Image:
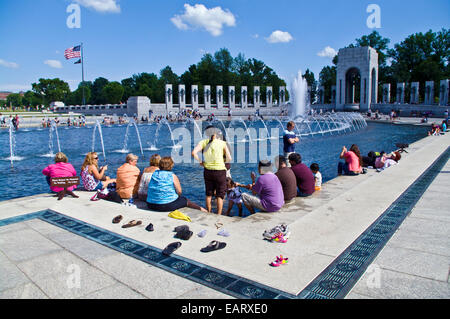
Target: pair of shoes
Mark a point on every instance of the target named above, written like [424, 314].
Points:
[183, 232]
[280, 260]
[280, 229]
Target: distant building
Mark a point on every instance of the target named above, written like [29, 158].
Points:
[4, 95]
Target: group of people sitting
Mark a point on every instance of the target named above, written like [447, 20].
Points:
[436, 130]
[161, 188]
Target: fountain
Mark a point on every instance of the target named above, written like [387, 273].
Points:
[53, 128]
[299, 96]
[99, 127]
[125, 143]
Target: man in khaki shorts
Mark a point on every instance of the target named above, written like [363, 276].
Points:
[269, 189]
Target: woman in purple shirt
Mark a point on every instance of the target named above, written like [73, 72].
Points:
[269, 189]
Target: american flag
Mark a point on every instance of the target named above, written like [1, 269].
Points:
[74, 52]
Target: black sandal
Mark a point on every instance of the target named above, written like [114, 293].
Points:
[214, 245]
[171, 248]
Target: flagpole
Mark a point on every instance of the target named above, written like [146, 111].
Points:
[82, 72]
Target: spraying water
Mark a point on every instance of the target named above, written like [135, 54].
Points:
[97, 125]
[299, 91]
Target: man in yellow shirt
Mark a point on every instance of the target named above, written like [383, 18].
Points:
[215, 172]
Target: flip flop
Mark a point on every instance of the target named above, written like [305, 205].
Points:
[149, 227]
[214, 245]
[202, 233]
[117, 219]
[132, 223]
[223, 233]
[218, 225]
[171, 248]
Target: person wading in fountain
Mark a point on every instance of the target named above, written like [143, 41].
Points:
[289, 140]
[215, 172]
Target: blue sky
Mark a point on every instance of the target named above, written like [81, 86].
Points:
[125, 37]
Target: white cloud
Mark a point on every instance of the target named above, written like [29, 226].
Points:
[7, 64]
[198, 16]
[54, 64]
[328, 52]
[280, 37]
[104, 6]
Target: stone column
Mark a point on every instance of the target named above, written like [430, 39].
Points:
[244, 96]
[414, 93]
[429, 93]
[443, 92]
[282, 95]
[269, 96]
[320, 95]
[232, 97]
[256, 97]
[182, 96]
[219, 96]
[386, 93]
[400, 93]
[333, 94]
[169, 97]
[194, 96]
[207, 94]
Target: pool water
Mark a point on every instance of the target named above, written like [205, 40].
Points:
[32, 146]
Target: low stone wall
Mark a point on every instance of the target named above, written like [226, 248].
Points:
[408, 110]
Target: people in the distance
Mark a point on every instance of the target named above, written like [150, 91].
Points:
[93, 177]
[287, 178]
[215, 171]
[164, 190]
[61, 168]
[353, 161]
[268, 188]
[147, 175]
[289, 140]
[303, 175]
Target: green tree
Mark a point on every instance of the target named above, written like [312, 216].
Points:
[97, 90]
[51, 90]
[327, 78]
[112, 93]
[422, 57]
[312, 83]
[14, 100]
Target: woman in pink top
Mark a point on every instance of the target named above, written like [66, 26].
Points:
[61, 168]
[353, 161]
